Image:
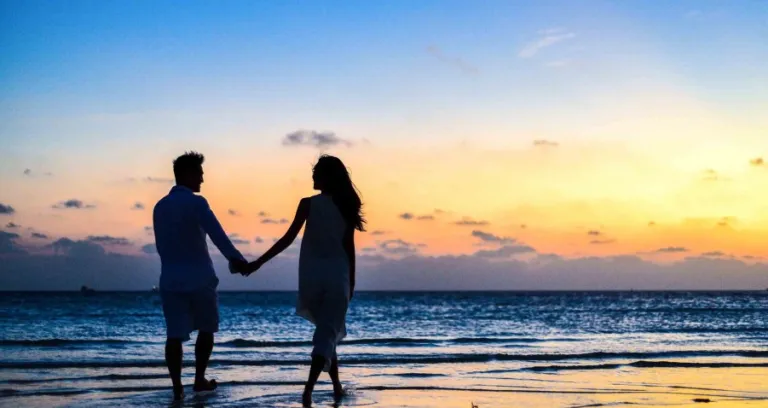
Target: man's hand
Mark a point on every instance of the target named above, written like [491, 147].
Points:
[238, 266]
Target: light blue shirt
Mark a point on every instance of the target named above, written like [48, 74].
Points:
[181, 220]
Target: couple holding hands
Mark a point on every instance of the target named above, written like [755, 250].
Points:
[183, 219]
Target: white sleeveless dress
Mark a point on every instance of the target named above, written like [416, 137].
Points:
[324, 276]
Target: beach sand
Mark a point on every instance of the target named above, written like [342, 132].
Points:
[664, 387]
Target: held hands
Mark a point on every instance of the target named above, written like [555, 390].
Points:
[243, 267]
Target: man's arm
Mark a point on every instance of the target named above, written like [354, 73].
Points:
[213, 228]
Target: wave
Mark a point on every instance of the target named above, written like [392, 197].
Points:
[393, 341]
[645, 364]
[66, 342]
[405, 359]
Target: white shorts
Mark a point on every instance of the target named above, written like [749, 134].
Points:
[186, 312]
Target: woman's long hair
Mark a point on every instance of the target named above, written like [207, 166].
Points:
[331, 177]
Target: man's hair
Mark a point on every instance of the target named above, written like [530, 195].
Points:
[187, 163]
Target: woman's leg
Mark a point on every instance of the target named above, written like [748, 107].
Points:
[318, 362]
[338, 392]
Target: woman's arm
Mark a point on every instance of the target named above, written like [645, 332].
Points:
[349, 248]
[302, 212]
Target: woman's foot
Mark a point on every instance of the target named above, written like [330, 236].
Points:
[178, 395]
[338, 391]
[205, 386]
[306, 398]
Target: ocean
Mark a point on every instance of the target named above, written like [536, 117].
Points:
[403, 349]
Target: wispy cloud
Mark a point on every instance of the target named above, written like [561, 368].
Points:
[491, 238]
[545, 143]
[546, 38]
[233, 212]
[258, 240]
[757, 162]
[11, 225]
[73, 203]
[400, 247]
[379, 232]
[602, 241]
[235, 238]
[39, 235]
[505, 251]
[274, 221]
[594, 233]
[109, 240]
[671, 249]
[410, 216]
[320, 140]
[137, 206]
[466, 221]
[452, 61]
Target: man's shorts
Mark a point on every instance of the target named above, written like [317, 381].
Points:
[186, 312]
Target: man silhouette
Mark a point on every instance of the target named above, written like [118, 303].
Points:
[188, 281]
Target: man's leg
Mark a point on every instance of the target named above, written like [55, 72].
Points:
[205, 310]
[173, 357]
[203, 349]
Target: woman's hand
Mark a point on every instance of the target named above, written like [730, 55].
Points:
[253, 267]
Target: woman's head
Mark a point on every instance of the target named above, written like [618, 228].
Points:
[331, 177]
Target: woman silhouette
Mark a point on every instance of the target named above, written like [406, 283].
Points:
[326, 263]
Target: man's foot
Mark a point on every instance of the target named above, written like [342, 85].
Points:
[178, 395]
[205, 386]
[306, 399]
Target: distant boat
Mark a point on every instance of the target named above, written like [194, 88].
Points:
[86, 290]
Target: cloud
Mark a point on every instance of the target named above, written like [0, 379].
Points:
[558, 63]
[593, 233]
[79, 249]
[671, 249]
[379, 232]
[39, 235]
[399, 247]
[410, 216]
[159, 180]
[546, 38]
[726, 221]
[258, 240]
[149, 230]
[602, 241]
[74, 204]
[452, 61]
[80, 263]
[523, 226]
[8, 244]
[713, 254]
[320, 140]
[30, 173]
[274, 221]
[235, 238]
[545, 143]
[712, 175]
[137, 206]
[757, 161]
[263, 214]
[651, 223]
[27, 172]
[490, 238]
[233, 212]
[149, 249]
[11, 225]
[109, 240]
[6, 209]
[466, 221]
[505, 251]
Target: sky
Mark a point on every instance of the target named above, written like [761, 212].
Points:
[496, 144]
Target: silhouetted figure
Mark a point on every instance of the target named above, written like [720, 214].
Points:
[326, 264]
[188, 281]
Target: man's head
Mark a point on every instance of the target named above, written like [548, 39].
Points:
[188, 170]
